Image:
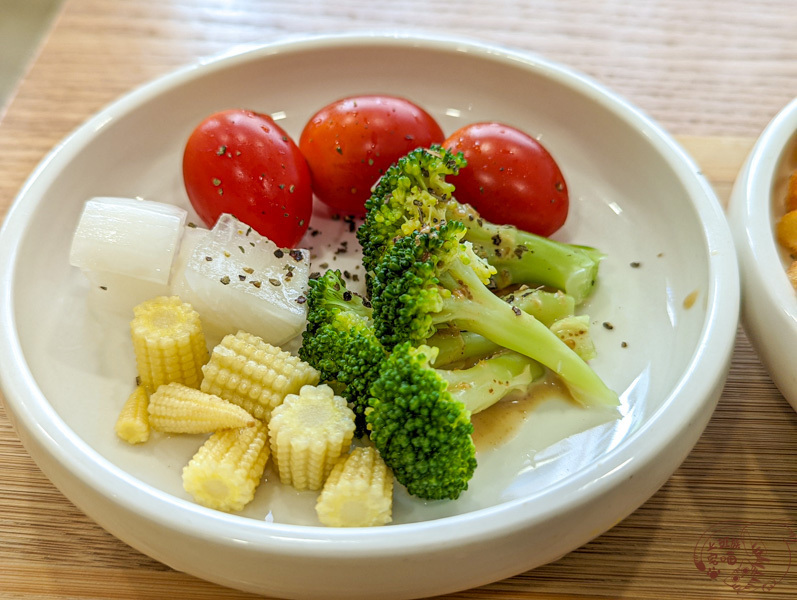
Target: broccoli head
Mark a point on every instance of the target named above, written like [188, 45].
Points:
[419, 417]
[410, 195]
[432, 279]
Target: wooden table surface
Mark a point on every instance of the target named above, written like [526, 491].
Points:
[712, 72]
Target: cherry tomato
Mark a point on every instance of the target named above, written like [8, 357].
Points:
[241, 162]
[510, 178]
[350, 143]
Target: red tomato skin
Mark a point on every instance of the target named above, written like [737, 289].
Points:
[510, 178]
[351, 142]
[242, 163]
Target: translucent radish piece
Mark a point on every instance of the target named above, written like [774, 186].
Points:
[118, 294]
[237, 279]
[129, 237]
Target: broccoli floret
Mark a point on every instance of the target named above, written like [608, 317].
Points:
[419, 418]
[339, 341]
[414, 194]
[411, 194]
[432, 279]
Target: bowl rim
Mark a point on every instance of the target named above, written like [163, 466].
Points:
[30, 408]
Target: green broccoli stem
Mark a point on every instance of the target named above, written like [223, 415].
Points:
[521, 257]
[488, 381]
[473, 307]
[457, 346]
[547, 307]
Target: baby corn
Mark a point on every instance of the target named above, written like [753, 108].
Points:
[132, 425]
[169, 343]
[358, 492]
[177, 408]
[253, 374]
[308, 433]
[226, 470]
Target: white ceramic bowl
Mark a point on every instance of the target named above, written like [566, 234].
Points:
[769, 303]
[667, 299]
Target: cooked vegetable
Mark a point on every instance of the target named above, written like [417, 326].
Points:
[791, 192]
[351, 142]
[228, 467]
[309, 431]
[126, 236]
[547, 307]
[238, 279]
[574, 331]
[175, 408]
[132, 425]
[241, 162]
[432, 278]
[358, 491]
[510, 177]
[491, 379]
[419, 417]
[245, 370]
[126, 249]
[340, 342]
[786, 231]
[414, 194]
[169, 343]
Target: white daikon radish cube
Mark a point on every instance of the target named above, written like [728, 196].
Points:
[118, 294]
[237, 279]
[130, 237]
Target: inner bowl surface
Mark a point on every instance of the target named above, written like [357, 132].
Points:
[563, 476]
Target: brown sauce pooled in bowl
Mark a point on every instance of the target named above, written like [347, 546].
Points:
[501, 422]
